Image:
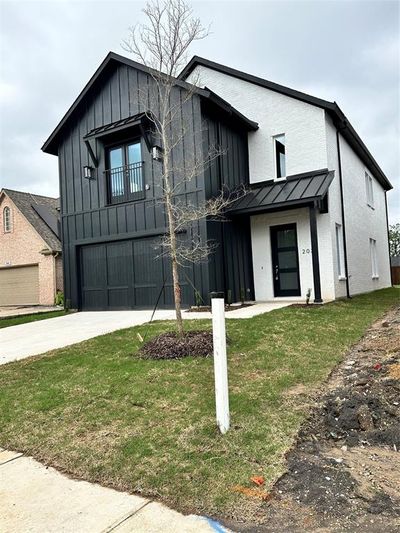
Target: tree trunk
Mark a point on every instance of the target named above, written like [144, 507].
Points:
[174, 263]
[177, 297]
[175, 271]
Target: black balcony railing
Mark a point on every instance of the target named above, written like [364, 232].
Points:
[125, 183]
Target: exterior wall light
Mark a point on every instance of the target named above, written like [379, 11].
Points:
[88, 172]
[157, 153]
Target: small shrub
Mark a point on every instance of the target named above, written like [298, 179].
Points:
[59, 299]
[229, 297]
[198, 299]
[242, 295]
[308, 296]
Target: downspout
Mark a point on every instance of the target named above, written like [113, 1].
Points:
[346, 267]
[387, 226]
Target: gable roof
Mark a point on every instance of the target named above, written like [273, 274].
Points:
[111, 61]
[339, 118]
[41, 212]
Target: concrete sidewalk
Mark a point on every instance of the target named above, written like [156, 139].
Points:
[33, 338]
[38, 499]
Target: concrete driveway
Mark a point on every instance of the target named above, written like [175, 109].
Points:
[33, 338]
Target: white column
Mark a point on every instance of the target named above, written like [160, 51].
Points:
[220, 363]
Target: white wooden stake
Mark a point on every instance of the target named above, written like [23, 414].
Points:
[220, 363]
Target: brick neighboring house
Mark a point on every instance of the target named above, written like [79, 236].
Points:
[31, 270]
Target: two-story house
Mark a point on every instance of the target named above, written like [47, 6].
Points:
[314, 219]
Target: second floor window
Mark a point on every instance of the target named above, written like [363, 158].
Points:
[7, 220]
[369, 189]
[280, 156]
[125, 172]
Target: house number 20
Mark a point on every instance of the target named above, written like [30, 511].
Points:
[306, 250]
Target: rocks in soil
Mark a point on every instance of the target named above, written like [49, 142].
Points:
[318, 484]
[171, 346]
[364, 417]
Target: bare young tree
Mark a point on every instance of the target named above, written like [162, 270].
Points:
[162, 44]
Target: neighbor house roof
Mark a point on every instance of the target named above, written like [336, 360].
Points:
[339, 118]
[296, 190]
[112, 59]
[41, 212]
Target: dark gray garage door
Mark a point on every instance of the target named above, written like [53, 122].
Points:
[125, 275]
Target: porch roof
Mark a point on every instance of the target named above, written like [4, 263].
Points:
[296, 190]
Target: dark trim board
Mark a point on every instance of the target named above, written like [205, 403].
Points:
[343, 214]
[315, 254]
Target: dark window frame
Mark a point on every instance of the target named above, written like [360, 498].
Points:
[280, 149]
[278, 291]
[127, 196]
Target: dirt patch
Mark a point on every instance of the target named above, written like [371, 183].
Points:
[171, 346]
[344, 472]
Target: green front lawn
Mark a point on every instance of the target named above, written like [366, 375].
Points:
[23, 319]
[99, 412]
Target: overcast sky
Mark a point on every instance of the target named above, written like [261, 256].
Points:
[341, 50]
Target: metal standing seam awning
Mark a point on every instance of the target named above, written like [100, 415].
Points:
[297, 190]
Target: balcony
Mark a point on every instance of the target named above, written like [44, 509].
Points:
[125, 184]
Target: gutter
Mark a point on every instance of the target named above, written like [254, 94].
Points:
[346, 265]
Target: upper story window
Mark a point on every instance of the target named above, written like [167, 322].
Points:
[125, 172]
[369, 187]
[7, 219]
[280, 156]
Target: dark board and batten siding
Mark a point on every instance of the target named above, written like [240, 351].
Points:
[87, 218]
[94, 232]
[230, 266]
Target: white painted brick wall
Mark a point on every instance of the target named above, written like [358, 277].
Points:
[334, 204]
[310, 145]
[262, 258]
[362, 222]
[302, 123]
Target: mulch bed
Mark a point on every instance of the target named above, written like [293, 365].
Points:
[171, 346]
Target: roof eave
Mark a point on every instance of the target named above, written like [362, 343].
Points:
[50, 146]
[344, 125]
[293, 93]
[228, 108]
